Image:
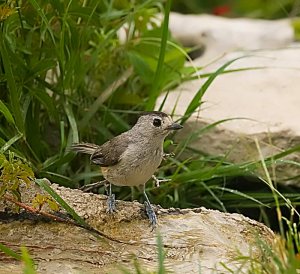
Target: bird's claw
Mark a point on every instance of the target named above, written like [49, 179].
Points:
[167, 155]
[151, 215]
[111, 204]
[158, 181]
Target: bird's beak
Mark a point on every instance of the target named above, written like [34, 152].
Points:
[174, 126]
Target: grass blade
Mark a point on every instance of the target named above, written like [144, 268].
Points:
[9, 252]
[7, 145]
[41, 13]
[161, 254]
[196, 102]
[154, 92]
[164, 101]
[73, 123]
[5, 111]
[11, 83]
[209, 190]
[269, 182]
[236, 192]
[28, 263]
[104, 97]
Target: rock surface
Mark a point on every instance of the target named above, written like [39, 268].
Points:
[219, 35]
[266, 97]
[194, 239]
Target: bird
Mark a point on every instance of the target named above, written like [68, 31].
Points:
[131, 158]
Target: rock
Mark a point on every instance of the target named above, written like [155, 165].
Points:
[219, 35]
[194, 239]
[267, 98]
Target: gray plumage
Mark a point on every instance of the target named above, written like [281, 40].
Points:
[131, 158]
[105, 155]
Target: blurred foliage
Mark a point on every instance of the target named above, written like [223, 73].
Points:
[267, 9]
[296, 27]
[17, 177]
[24, 257]
[29, 267]
[13, 173]
[66, 69]
[81, 70]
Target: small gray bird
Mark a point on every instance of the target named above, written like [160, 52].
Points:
[131, 158]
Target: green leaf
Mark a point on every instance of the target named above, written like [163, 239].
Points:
[141, 67]
[43, 184]
[5, 111]
[14, 94]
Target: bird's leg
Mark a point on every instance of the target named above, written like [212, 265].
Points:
[158, 181]
[149, 210]
[111, 202]
[92, 186]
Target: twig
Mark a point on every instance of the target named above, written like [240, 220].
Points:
[37, 211]
[61, 220]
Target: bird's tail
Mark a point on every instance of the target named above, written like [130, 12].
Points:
[86, 148]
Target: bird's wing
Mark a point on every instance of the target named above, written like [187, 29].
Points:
[109, 153]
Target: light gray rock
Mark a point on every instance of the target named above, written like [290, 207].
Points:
[219, 35]
[267, 98]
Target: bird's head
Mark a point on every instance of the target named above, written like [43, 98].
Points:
[156, 124]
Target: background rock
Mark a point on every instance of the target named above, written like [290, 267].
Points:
[219, 35]
[193, 238]
[266, 96]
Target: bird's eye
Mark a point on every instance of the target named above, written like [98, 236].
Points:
[156, 122]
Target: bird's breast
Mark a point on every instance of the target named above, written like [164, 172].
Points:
[136, 166]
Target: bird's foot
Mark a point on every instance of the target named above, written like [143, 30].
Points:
[158, 181]
[111, 204]
[167, 155]
[151, 215]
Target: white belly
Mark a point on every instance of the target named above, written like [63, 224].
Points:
[134, 169]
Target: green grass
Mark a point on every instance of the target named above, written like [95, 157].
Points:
[65, 74]
[24, 257]
[65, 77]
[265, 9]
[283, 255]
